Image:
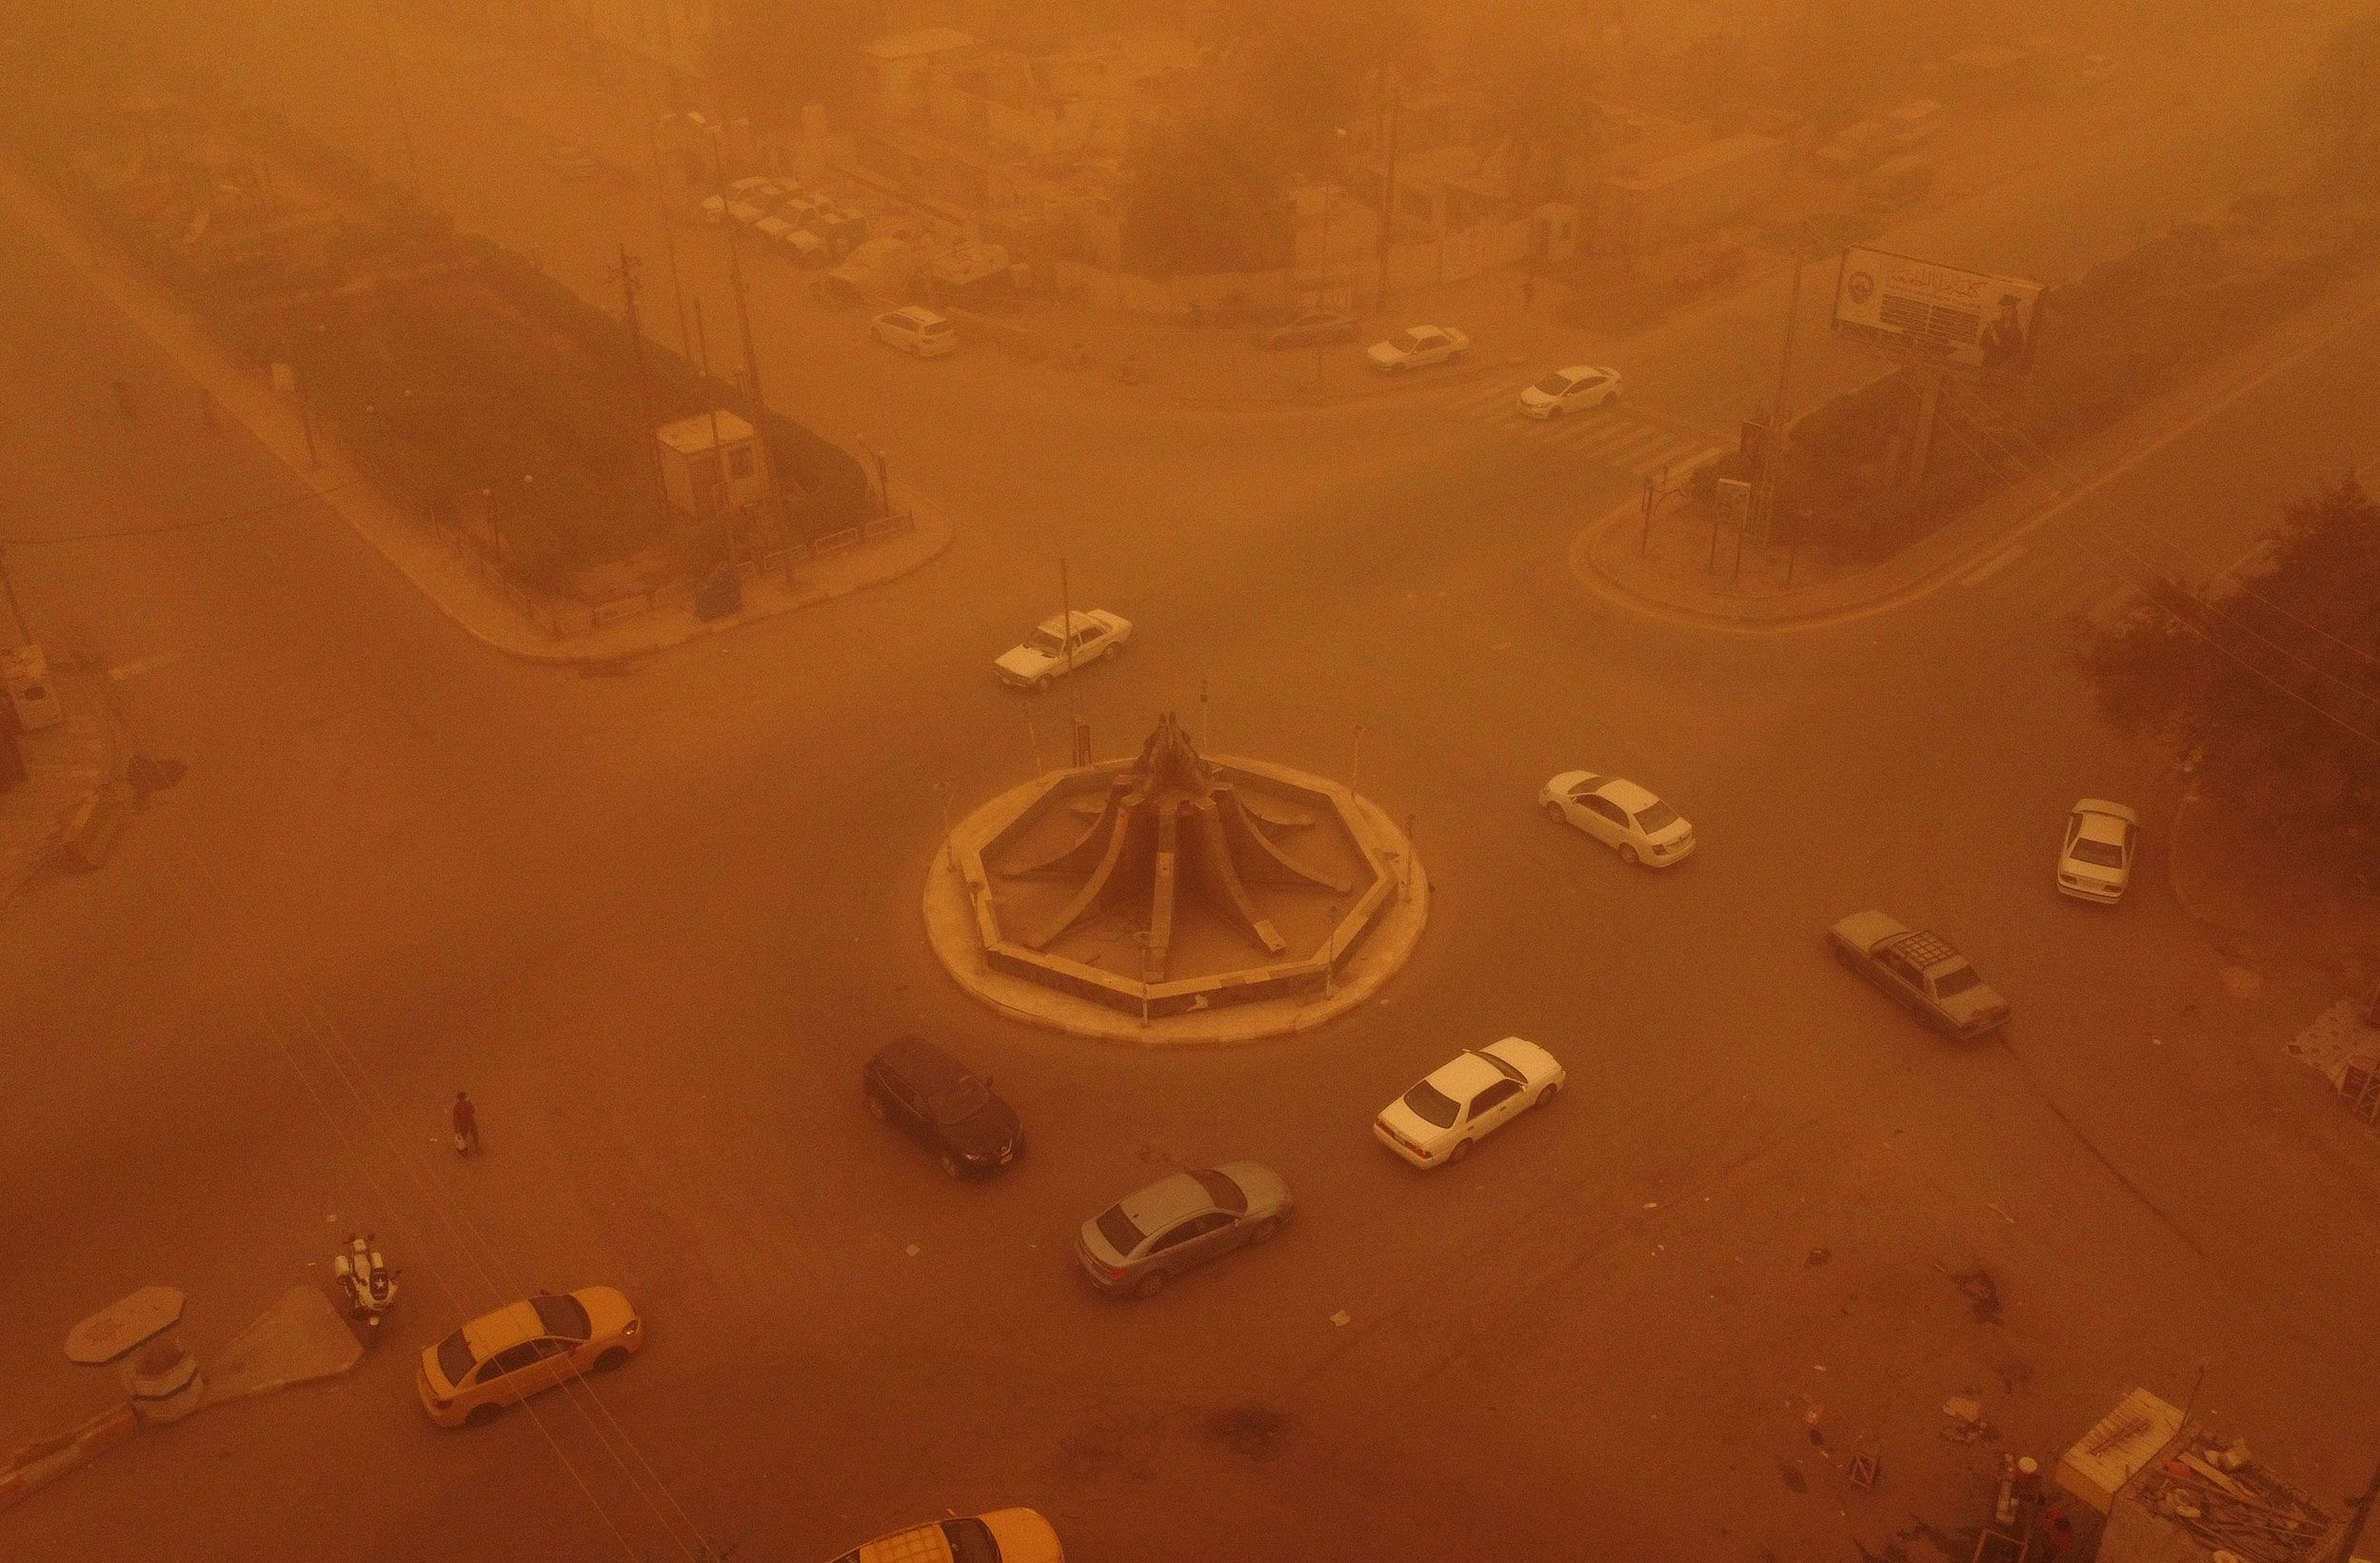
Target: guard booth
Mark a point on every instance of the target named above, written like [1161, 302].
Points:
[710, 464]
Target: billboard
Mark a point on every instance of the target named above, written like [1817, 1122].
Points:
[1935, 314]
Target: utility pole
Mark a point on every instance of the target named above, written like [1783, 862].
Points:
[1764, 513]
[2363, 1514]
[24, 635]
[1066, 617]
[1388, 185]
[626, 272]
[661, 202]
[726, 508]
[743, 317]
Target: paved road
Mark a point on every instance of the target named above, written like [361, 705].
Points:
[653, 921]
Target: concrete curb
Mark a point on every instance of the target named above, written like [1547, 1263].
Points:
[38, 1464]
[460, 594]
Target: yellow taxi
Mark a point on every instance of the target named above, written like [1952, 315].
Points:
[514, 1352]
[1004, 1536]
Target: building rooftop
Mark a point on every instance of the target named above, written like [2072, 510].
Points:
[691, 436]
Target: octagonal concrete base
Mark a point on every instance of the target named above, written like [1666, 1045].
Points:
[952, 929]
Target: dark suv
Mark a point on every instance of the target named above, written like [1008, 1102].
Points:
[930, 1094]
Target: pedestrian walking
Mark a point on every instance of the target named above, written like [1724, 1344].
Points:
[465, 1124]
[124, 404]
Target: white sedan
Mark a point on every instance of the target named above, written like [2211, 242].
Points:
[1468, 1097]
[1580, 386]
[1056, 648]
[2096, 861]
[1418, 345]
[1621, 815]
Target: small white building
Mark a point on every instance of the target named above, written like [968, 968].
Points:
[711, 464]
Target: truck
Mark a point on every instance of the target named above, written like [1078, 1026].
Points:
[1921, 971]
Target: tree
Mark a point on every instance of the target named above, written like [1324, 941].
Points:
[2339, 102]
[1309, 68]
[2274, 680]
[775, 56]
[1206, 194]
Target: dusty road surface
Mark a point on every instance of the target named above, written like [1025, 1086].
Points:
[653, 922]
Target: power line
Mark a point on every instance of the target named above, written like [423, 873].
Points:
[191, 524]
[2186, 623]
[2011, 433]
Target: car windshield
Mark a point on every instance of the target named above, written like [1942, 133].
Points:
[1956, 981]
[1404, 342]
[1044, 643]
[1504, 1069]
[455, 1359]
[2106, 854]
[1117, 1229]
[959, 1102]
[1225, 1193]
[1656, 816]
[1554, 385]
[561, 1316]
[1431, 1105]
[970, 1541]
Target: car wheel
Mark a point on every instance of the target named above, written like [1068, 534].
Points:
[950, 1164]
[1627, 853]
[1399, 367]
[1150, 1284]
[481, 1415]
[1041, 683]
[1545, 1098]
[1462, 1148]
[1608, 399]
[1553, 812]
[1842, 957]
[611, 1358]
[1110, 649]
[875, 1106]
[1263, 1230]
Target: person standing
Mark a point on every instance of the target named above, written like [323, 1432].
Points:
[465, 1124]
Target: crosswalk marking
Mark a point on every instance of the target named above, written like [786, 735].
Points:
[1604, 435]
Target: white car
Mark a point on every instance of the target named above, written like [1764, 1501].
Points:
[2096, 861]
[1047, 654]
[1621, 815]
[1569, 390]
[915, 330]
[746, 213]
[1418, 345]
[1466, 1097]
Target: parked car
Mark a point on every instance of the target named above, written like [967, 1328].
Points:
[1853, 147]
[914, 330]
[571, 162]
[1467, 1099]
[808, 248]
[1713, 266]
[514, 1352]
[1059, 646]
[1311, 327]
[1179, 1222]
[1919, 970]
[1418, 347]
[927, 1093]
[1568, 390]
[2096, 861]
[1004, 1536]
[1621, 815]
[1895, 183]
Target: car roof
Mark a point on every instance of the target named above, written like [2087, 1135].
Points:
[1626, 793]
[918, 313]
[502, 1330]
[1579, 371]
[1464, 1076]
[1166, 1202]
[921, 1064]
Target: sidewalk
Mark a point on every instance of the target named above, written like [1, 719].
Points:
[66, 765]
[449, 573]
[1678, 570]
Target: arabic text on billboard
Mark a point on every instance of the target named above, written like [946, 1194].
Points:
[1936, 313]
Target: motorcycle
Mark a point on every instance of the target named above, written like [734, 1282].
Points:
[366, 1282]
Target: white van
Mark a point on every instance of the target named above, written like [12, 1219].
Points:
[915, 330]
